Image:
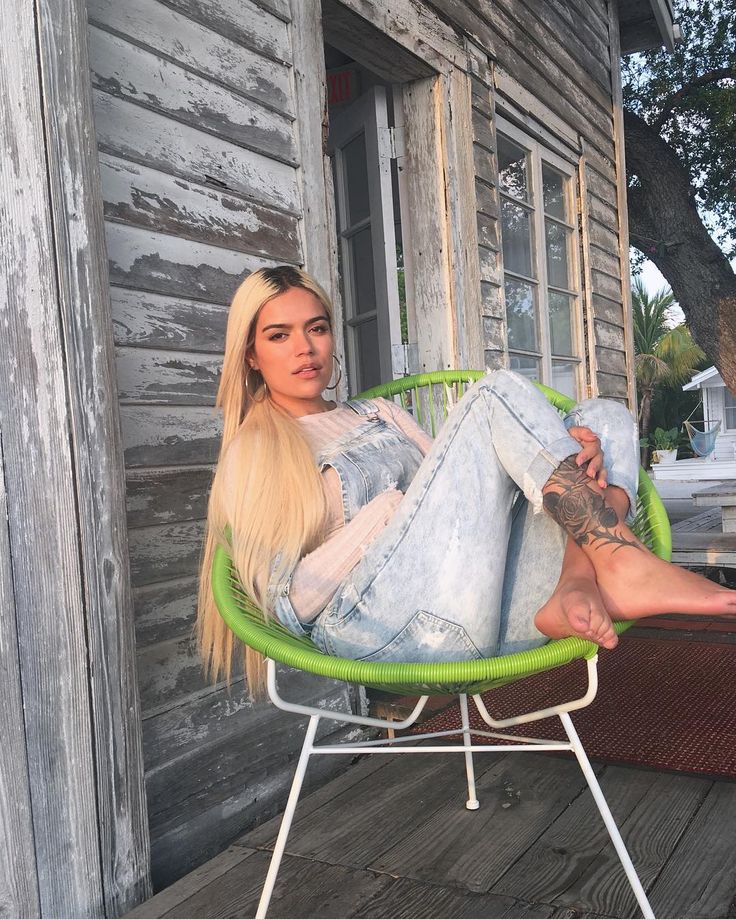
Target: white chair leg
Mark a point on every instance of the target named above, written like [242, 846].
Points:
[296, 787]
[472, 803]
[595, 788]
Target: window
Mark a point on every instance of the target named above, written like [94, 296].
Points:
[541, 277]
[729, 410]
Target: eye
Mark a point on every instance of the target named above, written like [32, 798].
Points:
[320, 329]
[277, 336]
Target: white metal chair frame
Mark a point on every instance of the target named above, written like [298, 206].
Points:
[408, 744]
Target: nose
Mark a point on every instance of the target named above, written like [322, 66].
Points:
[303, 344]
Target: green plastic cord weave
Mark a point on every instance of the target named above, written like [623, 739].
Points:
[275, 642]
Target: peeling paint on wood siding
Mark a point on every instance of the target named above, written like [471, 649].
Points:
[166, 264]
[155, 321]
[167, 377]
[163, 436]
[142, 197]
[242, 21]
[129, 72]
[149, 138]
[165, 611]
[191, 45]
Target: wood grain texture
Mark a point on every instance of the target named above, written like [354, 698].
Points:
[164, 611]
[152, 200]
[242, 21]
[159, 263]
[196, 47]
[129, 72]
[156, 377]
[167, 495]
[170, 550]
[68, 537]
[164, 436]
[177, 323]
[18, 883]
[147, 137]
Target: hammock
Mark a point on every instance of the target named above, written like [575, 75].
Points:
[702, 442]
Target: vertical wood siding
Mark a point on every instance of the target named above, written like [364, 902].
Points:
[199, 156]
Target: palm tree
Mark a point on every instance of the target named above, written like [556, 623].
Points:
[664, 356]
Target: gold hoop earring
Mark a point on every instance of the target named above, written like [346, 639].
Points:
[339, 373]
[260, 392]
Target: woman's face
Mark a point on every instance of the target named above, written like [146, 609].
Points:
[293, 350]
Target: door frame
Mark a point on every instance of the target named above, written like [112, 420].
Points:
[432, 64]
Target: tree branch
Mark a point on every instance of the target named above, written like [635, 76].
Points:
[713, 76]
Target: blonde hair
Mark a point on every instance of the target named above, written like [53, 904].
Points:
[269, 491]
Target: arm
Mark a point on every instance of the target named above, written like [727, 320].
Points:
[319, 574]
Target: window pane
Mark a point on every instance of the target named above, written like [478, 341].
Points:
[521, 316]
[557, 244]
[369, 367]
[730, 406]
[364, 287]
[516, 237]
[553, 190]
[527, 366]
[356, 179]
[564, 378]
[559, 323]
[512, 169]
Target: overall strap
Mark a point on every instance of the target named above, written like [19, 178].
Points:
[362, 406]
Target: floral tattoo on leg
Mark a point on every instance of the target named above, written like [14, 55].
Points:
[580, 510]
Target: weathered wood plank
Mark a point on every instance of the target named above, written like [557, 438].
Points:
[485, 164]
[609, 310]
[241, 21]
[612, 386]
[583, 22]
[603, 212]
[175, 896]
[539, 20]
[168, 673]
[406, 899]
[429, 44]
[486, 199]
[490, 267]
[520, 798]
[609, 336]
[61, 468]
[164, 264]
[167, 377]
[166, 32]
[300, 891]
[129, 72]
[606, 285]
[152, 200]
[18, 884]
[494, 334]
[604, 238]
[149, 138]
[167, 551]
[488, 231]
[492, 299]
[167, 495]
[483, 131]
[574, 864]
[385, 821]
[608, 262]
[177, 323]
[164, 611]
[162, 436]
[604, 186]
[691, 886]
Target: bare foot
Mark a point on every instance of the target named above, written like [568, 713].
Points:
[576, 608]
[635, 583]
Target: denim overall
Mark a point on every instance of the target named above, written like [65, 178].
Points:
[467, 558]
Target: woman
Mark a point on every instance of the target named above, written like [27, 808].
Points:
[350, 525]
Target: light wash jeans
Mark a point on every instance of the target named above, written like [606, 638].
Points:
[469, 556]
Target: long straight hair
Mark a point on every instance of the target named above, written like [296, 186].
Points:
[267, 488]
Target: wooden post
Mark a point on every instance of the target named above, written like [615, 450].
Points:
[72, 629]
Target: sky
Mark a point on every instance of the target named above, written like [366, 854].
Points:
[654, 281]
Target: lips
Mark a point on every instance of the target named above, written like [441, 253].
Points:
[308, 371]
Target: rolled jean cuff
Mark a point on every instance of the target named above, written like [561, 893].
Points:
[543, 465]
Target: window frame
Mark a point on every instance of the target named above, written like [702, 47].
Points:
[539, 154]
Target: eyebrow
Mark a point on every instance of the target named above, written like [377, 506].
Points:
[286, 325]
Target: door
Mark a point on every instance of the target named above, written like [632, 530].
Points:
[361, 149]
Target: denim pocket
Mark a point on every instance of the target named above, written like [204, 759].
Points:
[426, 638]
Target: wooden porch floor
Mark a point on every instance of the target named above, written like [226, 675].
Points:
[700, 541]
[390, 838]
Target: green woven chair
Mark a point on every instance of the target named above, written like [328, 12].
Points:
[429, 397]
